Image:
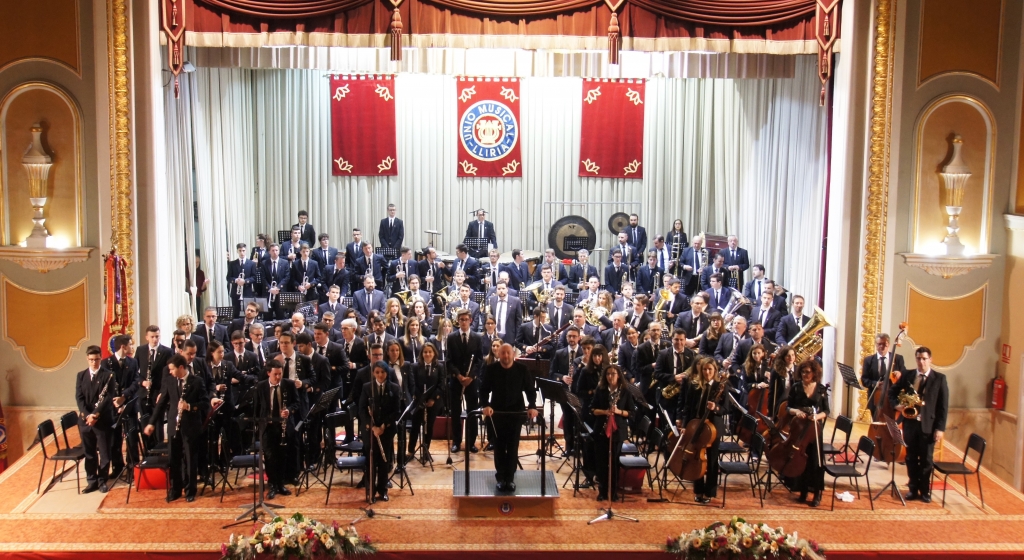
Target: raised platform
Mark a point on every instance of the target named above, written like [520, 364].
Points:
[484, 500]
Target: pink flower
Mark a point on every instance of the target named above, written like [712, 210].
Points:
[223, 550]
[366, 538]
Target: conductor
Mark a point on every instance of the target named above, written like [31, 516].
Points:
[504, 383]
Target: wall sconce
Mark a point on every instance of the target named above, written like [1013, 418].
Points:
[954, 178]
[37, 164]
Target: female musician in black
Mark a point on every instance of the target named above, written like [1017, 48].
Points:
[585, 383]
[676, 236]
[755, 368]
[395, 356]
[805, 397]
[781, 378]
[419, 312]
[700, 400]
[413, 340]
[428, 386]
[611, 400]
[713, 334]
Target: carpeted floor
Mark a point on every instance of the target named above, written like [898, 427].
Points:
[428, 523]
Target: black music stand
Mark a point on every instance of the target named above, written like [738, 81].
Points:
[773, 431]
[477, 246]
[322, 404]
[897, 441]
[387, 252]
[553, 392]
[850, 379]
[259, 506]
[288, 300]
[400, 471]
[581, 432]
[120, 423]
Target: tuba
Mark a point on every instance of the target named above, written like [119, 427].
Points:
[807, 343]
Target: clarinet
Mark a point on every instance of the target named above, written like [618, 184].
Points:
[103, 395]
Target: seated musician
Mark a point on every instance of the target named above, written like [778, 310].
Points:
[419, 295]
[617, 271]
[394, 319]
[755, 368]
[467, 265]
[489, 271]
[695, 322]
[809, 400]
[611, 403]
[557, 269]
[712, 336]
[590, 290]
[531, 335]
[624, 301]
[703, 401]
[782, 377]
[559, 312]
[638, 317]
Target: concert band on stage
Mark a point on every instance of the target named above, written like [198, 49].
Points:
[650, 335]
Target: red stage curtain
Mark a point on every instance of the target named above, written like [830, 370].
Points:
[284, 9]
[612, 131]
[363, 126]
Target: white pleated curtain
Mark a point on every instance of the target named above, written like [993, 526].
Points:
[724, 156]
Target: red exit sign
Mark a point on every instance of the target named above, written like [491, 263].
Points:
[1006, 354]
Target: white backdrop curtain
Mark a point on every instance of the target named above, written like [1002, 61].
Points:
[724, 156]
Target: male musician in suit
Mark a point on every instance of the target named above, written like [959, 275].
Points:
[391, 233]
[694, 322]
[504, 383]
[246, 364]
[562, 367]
[483, 229]
[754, 287]
[490, 271]
[184, 399]
[378, 331]
[372, 263]
[717, 267]
[757, 336]
[353, 249]
[636, 234]
[298, 325]
[645, 274]
[358, 357]
[778, 296]
[277, 278]
[581, 272]
[306, 230]
[877, 367]
[467, 264]
[617, 272]
[508, 313]
[306, 275]
[259, 347]
[559, 312]
[209, 330]
[512, 291]
[379, 410]
[401, 269]
[718, 295]
[291, 249]
[693, 259]
[321, 378]
[627, 352]
[627, 252]
[638, 317]
[558, 273]
[614, 336]
[95, 389]
[518, 270]
[152, 358]
[337, 274]
[337, 359]
[276, 403]
[414, 288]
[323, 254]
[924, 431]
[662, 255]
[465, 302]
[592, 288]
[736, 260]
[298, 370]
[368, 299]
[464, 363]
[252, 311]
[261, 250]
[767, 315]
[333, 304]
[433, 271]
[670, 368]
[530, 335]
[645, 356]
[240, 278]
[126, 375]
[226, 383]
[730, 344]
[791, 324]
[677, 301]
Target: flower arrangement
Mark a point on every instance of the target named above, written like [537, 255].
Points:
[739, 539]
[297, 537]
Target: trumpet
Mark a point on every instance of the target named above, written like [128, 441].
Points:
[241, 276]
[625, 278]
[404, 280]
[911, 402]
[585, 268]
[522, 289]
[273, 286]
[305, 280]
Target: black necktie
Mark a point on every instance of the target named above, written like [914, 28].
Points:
[287, 365]
[368, 304]
[881, 368]
[465, 338]
[275, 401]
[679, 363]
[181, 388]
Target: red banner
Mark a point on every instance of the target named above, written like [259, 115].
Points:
[612, 133]
[116, 312]
[363, 125]
[489, 133]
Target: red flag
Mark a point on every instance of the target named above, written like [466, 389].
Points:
[611, 426]
[3, 440]
[363, 125]
[489, 133]
[612, 131]
[116, 312]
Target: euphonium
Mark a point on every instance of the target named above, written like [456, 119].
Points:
[911, 402]
[807, 343]
[736, 300]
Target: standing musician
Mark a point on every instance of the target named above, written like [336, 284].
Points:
[756, 336]
[290, 248]
[563, 367]
[209, 330]
[184, 400]
[582, 271]
[614, 336]
[645, 275]
[318, 369]
[877, 366]
[419, 294]
[677, 303]
[371, 263]
[611, 401]
[468, 265]
[755, 369]
[558, 273]
[464, 361]
[781, 378]
[260, 251]
[324, 254]
[671, 368]
[400, 270]
[616, 272]
[482, 229]
[277, 278]
[645, 357]
[427, 379]
[394, 354]
[518, 271]
[276, 402]
[126, 375]
[306, 275]
[501, 391]
[704, 388]
[353, 250]
[923, 432]
[810, 396]
[413, 339]
[717, 267]
[337, 274]
[559, 312]
[727, 351]
[368, 299]
[153, 357]
[579, 321]
[489, 271]
[736, 262]
[391, 232]
[306, 230]
[433, 271]
[242, 324]
[636, 234]
[695, 322]
[240, 278]
[379, 408]
[507, 313]
[693, 261]
[530, 335]
[627, 353]
[791, 325]
[95, 389]
[591, 290]
[676, 239]
[465, 303]
[663, 258]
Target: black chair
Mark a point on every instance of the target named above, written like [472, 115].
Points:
[148, 460]
[68, 421]
[63, 454]
[634, 462]
[844, 425]
[974, 443]
[244, 463]
[750, 467]
[866, 446]
[350, 464]
[639, 437]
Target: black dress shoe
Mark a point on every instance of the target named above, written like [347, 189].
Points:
[510, 486]
[209, 481]
[586, 484]
[92, 487]
[190, 498]
[500, 486]
[911, 496]
[926, 499]
[103, 487]
[473, 449]
[702, 499]
[817, 500]
[272, 493]
[803, 497]
[455, 448]
[489, 447]
[602, 497]
[384, 497]
[172, 497]
[283, 491]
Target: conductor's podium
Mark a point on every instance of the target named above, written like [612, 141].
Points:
[484, 500]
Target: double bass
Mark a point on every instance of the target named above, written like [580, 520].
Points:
[886, 449]
[790, 458]
[688, 459]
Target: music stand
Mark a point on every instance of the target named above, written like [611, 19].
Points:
[432, 240]
[582, 431]
[897, 441]
[322, 404]
[477, 246]
[553, 392]
[850, 379]
[127, 472]
[259, 506]
[400, 471]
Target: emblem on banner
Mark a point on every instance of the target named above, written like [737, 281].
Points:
[488, 130]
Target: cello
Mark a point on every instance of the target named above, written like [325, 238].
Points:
[878, 431]
[700, 433]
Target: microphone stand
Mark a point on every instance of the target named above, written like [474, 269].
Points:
[446, 395]
[400, 471]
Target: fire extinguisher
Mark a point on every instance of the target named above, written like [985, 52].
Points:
[998, 400]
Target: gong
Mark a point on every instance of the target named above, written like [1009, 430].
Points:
[618, 222]
[570, 234]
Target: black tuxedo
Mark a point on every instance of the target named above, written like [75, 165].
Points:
[685, 321]
[473, 230]
[627, 359]
[641, 323]
[870, 374]
[576, 275]
[513, 316]
[645, 279]
[337, 360]
[566, 314]
[637, 237]
[788, 328]
[262, 353]
[719, 303]
[218, 332]
[428, 386]
[379, 266]
[246, 270]
[665, 370]
[740, 259]
[323, 257]
[460, 356]
[96, 438]
[770, 322]
[613, 277]
[337, 308]
[362, 308]
[642, 361]
[307, 233]
[152, 370]
[309, 270]
[428, 268]
[238, 325]
[248, 369]
[276, 447]
[126, 375]
[558, 272]
[332, 276]
[919, 433]
[409, 267]
[518, 274]
[471, 268]
[527, 336]
[380, 406]
[187, 439]
[391, 235]
[673, 238]
[686, 276]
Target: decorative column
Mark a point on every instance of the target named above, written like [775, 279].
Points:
[954, 179]
[37, 165]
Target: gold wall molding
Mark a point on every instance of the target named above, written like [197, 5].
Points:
[28, 322]
[876, 213]
[932, 319]
[121, 188]
[76, 113]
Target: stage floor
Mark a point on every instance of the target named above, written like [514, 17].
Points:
[63, 520]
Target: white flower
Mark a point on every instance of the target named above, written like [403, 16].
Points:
[259, 549]
[329, 543]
